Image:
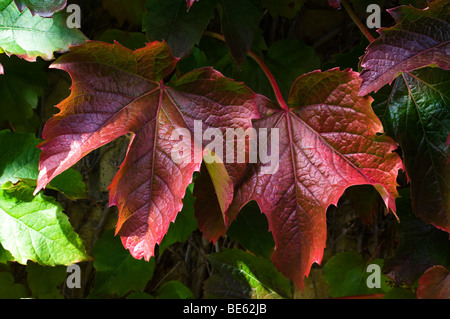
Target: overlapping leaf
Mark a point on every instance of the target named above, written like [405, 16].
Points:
[434, 284]
[416, 113]
[420, 245]
[29, 36]
[420, 38]
[20, 161]
[346, 274]
[44, 8]
[35, 228]
[242, 275]
[416, 109]
[240, 26]
[170, 21]
[116, 91]
[20, 87]
[329, 139]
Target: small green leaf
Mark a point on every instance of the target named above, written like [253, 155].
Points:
[19, 156]
[45, 282]
[347, 273]
[20, 162]
[36, 229]
[251, 229]
[130, 10]
[240, 26]
[20, 87]
[174, 290]
[399, 293]
[29, 36]
[5, 255]
[420, 245]
[117, 272]
[169, 20]
[184, 224]
[9, 289]
[70, 183]
[131, 40]
[238, 274]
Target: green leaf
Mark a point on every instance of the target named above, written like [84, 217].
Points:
[29, 36]
[169, 20]
[131, 40]
[21, 161]
[117, 272]
[130, 10]
[45, 282]
[346, 274]
[415, 112]
[287, 59]
[36, 229]
[5, 255]
[420, 247]
[251, 230]
[174, 290]
[20, 87]
[70, 183]
[19, 157]
[9, 289]
[240, 25]
[184, 224]
[238, 274]
[399, 293]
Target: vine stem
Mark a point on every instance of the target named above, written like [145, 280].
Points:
[263, 66]
[355, 19]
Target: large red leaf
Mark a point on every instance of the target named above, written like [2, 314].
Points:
[329, 139]
[420, 38]
[116, 91]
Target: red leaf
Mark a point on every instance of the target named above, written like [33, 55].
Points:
[116, 91]
[190, 3]
[336, 4]
[328, 140]
[419, 39]
[434, 284]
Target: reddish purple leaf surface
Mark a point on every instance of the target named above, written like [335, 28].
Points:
[116, 91]
[43, 8]
[335, 3]
[329, 139]
[434, 284]
[419, 39]
[190, 3]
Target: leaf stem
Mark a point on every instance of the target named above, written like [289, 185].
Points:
[262, 65]
[355, 19]
[271, 79]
